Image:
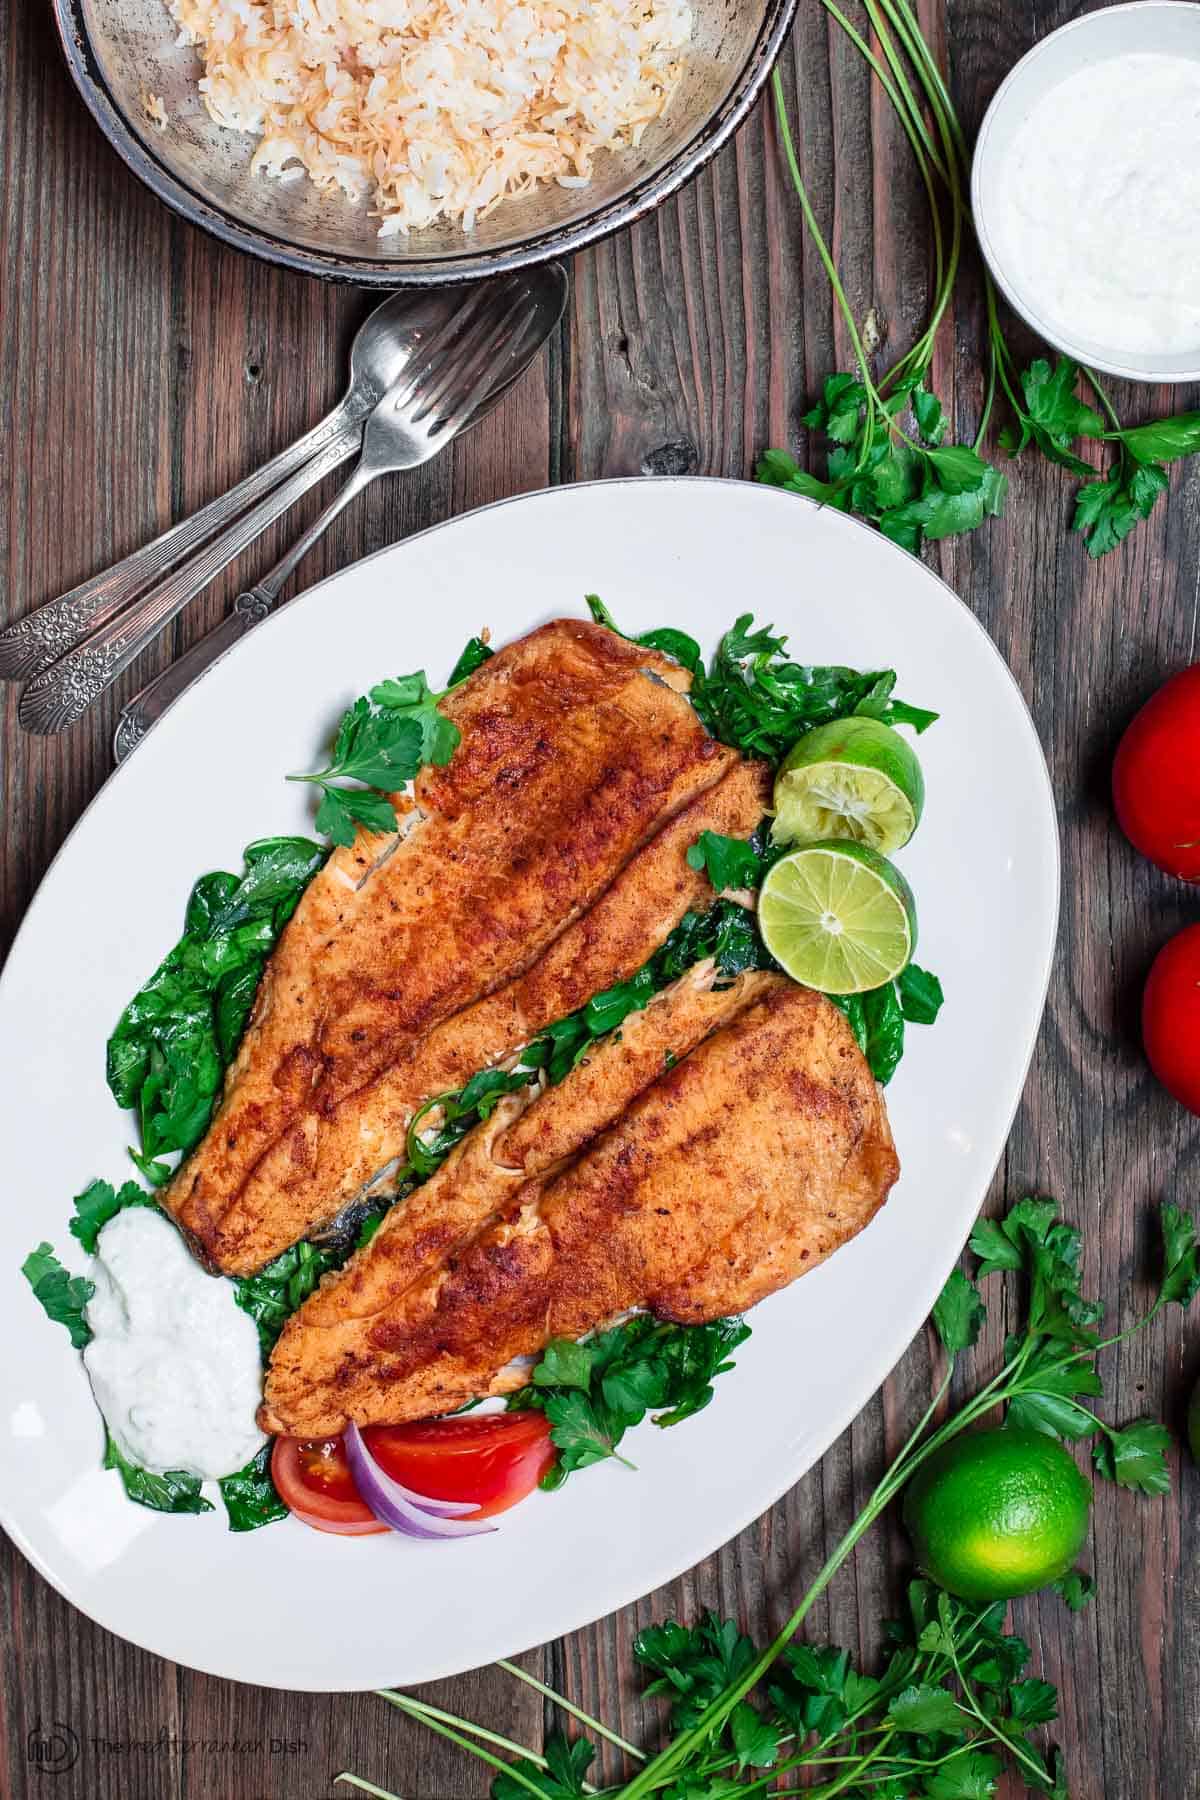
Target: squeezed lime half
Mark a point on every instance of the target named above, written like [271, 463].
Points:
[854, 779]
[838, 917]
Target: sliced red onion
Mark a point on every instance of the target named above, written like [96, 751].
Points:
[415, 1515]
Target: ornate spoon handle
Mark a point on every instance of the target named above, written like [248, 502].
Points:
[32, 643]
[61, 694]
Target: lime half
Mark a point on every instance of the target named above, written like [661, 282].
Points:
[853, 779]
[838, 917]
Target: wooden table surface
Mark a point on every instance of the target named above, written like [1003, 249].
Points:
[143, 369]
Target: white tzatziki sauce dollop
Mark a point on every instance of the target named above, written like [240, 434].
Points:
[173, 1360]
[1095, 207]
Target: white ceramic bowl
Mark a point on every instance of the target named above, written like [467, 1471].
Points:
[1169, 27]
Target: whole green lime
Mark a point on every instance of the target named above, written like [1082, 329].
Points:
[997, 1513]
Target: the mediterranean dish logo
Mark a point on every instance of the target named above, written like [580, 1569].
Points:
[51, 1749]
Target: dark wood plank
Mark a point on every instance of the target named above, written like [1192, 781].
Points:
[142, 368]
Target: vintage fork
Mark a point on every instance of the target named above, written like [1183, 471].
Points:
[421, 412]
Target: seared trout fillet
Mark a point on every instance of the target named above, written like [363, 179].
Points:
[576, 749]
[294, 1189]
[711, 1178]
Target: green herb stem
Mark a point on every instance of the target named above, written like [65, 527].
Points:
[823, 251]
[416, 1709]
[365, 1787]
[576, 1712]
[714, 1715]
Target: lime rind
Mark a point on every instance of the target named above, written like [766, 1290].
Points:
[998, 1513]
[837, 917]
[854, 779]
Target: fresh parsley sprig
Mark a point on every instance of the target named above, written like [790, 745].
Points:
[381, 743]
[908, 483]
[888, 461]
[594, 1392]
[952, 1706]
[1050, 413]
[61, 1295]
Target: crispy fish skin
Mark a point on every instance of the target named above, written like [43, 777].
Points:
[576, 748]
[755, 1155]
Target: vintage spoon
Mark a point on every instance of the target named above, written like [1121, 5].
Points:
[377, 356]
[451, 370]
[252, 606]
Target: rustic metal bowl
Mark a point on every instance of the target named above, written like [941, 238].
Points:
[121, 51]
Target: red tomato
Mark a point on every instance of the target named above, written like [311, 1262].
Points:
[315, 1484]
[1156, 777]
[1171, 1017]
[496, 1459]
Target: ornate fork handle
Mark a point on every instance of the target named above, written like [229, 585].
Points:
[59, 695]
[32, 643]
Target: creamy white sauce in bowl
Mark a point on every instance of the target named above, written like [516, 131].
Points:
[1086, 190]
[173, 1360]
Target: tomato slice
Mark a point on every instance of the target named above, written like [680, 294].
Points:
[496, 1459]
[315, 1484]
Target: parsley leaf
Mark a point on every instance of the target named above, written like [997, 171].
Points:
[576, 1431]
[926, 1710]
[1136, 1457]
[1054, 417]
[755, 1739]
[693, 1664]
[344, 811]
[1162, 440]
[173, 1492]
[409, 699]
[1181, 1273]
[958, 1312]
[563, 1777]
[1033, 1703]
[1046, 1403]
[971, 1777]
[564, 1365]
[383, 740]
[1107, 510]
[1076, 1589]
[62, 1296]
[98, 1203]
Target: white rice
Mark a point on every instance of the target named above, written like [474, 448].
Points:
[436, 109]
